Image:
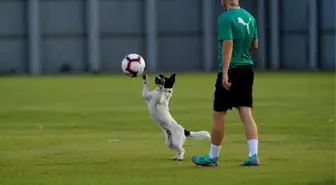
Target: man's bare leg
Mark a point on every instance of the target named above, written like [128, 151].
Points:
[251, 132]
[217, 134]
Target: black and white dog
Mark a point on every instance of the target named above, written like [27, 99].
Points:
[158, 104]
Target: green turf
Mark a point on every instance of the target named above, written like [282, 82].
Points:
[89, 130]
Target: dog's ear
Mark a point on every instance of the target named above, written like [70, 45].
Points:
[162, 76]
[157, 81]
[173, 76]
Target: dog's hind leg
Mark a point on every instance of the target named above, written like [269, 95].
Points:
[178, 141]
[169, 139]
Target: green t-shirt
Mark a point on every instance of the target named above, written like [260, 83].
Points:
[241, 27]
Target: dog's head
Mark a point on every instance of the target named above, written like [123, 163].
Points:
[166, 82]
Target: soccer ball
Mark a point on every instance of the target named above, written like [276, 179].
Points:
[133, 65]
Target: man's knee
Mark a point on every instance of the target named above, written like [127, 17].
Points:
[245, 114]
[217, 114]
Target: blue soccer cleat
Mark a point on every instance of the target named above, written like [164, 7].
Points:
[205, 160]
[251, 161]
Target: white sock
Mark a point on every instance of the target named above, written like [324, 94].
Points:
[253, 147]
[214, 151]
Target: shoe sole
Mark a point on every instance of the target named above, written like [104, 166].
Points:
[251, 164]
[206, 165]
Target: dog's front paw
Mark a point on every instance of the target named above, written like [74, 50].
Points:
[145, 78]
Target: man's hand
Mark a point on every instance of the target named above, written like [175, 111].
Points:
[225, 81]
[145, 78]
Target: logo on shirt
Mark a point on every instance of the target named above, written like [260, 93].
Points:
[241, 21]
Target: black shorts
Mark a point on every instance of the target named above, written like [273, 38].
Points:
[240, 93]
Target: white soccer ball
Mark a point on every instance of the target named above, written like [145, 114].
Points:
[133, 65]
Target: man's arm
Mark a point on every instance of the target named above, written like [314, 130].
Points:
[226, 55]
[225, 35]
[255, 43]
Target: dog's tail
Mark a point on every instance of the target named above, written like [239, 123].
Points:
[197, 135]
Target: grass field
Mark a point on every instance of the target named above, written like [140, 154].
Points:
[96, 130]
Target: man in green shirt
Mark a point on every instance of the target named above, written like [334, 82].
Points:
[237, 37]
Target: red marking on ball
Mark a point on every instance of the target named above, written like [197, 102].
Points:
[130, 61]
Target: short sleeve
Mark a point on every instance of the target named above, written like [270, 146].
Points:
[224, 28]
[255, 34]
